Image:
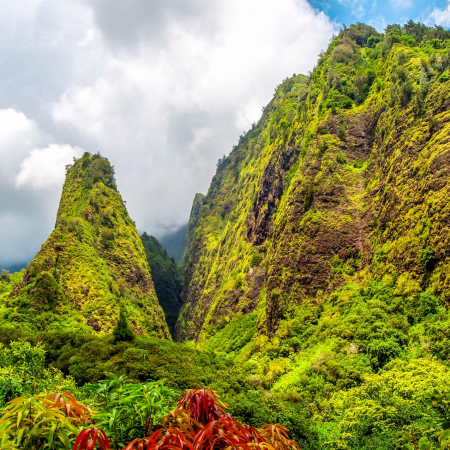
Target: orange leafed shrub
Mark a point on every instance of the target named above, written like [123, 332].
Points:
[70, 406]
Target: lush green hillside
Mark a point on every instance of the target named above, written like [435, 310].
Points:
[167, 278]
[344, 175]
[192, 226]
[92, 264]
[317, 281]
[320, 260]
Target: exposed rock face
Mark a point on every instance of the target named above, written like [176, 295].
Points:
[92, 263]
[269, 194]
[344, 178]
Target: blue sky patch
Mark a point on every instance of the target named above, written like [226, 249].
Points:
[379, 13]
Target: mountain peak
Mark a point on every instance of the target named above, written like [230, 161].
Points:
[93, 263]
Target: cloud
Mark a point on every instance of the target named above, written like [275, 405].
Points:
[400, 4]
[440, 16]
[180, 82]
[357, 7]
[163, 88]
[18, 135]
[26, 214]
[44, 167]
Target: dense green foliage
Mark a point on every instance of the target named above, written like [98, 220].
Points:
[92, 264]
[122, 331]
[320, 258]
[317, 267]
[126, 410]
[167, 278]
[24, 372]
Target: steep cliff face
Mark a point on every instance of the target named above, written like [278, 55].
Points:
[92, 264]
[192, 226]
[167, 278]
[343, 180]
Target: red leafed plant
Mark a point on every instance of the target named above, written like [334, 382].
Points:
[199, 422]
[203, 405]
[163, 439]
[227, 433]
[89, 437]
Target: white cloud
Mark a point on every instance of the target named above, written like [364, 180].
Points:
[162, 88]
[18, 135]
[440, 16]
[165, 112]
[44, 167]
[30, 162]
[400, 4]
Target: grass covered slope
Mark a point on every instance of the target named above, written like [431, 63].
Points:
[344, 173]
[321, 259]
[192, 226]
[167, 278]
[219, 278]
[92, 264]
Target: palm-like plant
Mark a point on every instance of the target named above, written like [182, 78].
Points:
[32, 424]
[201, 422]
[127, 410]
[88, 439]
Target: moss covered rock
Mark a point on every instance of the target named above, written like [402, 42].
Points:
[92, 264]
[343, 179]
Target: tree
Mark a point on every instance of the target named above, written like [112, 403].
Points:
[5, 276]
[122, 332]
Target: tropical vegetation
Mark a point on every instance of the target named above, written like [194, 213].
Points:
[312, 307]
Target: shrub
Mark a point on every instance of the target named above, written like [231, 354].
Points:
[372, 41]
[33, 423]
[23, 372]
[423, 81]
[361, 85]
[361, 33]
[127, 410]
[256, 259]
[406, 91]
[309, 197]
[5, 276]
[342, 52]
[427, 258]
[358, 163]
[122, 332]
[401, 73]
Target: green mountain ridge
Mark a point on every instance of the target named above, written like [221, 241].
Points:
[167, 278]
[92, 264]
[194, 216]
[175, 243]
[316, 269]
[320, 261]
[343, 178]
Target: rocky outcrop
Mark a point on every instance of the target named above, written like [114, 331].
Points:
[92, 264]
[343, 180]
